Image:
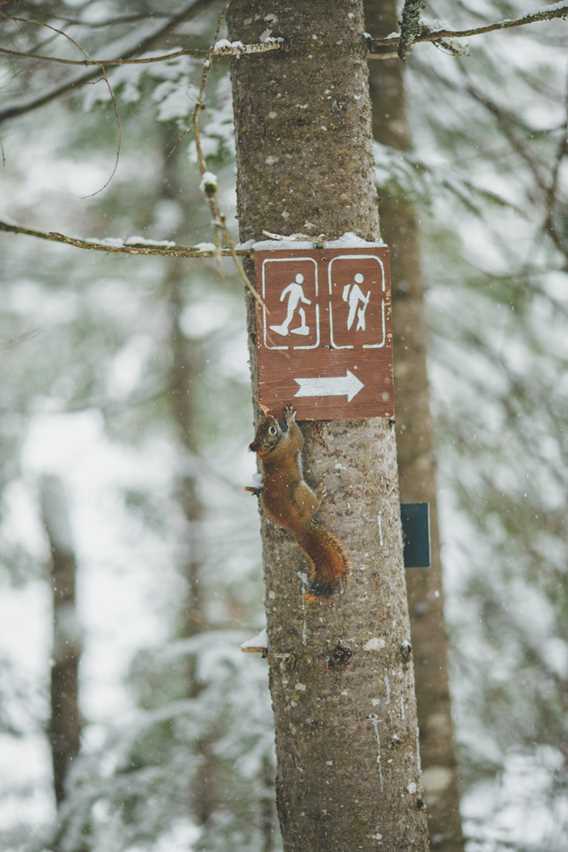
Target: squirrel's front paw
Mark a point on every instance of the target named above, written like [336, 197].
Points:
[289, 413]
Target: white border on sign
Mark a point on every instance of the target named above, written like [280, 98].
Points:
[264, 317]
[383, 288]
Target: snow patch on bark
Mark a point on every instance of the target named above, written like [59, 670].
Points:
[374, 644]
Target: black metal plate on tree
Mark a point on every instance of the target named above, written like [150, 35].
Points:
[415, 519]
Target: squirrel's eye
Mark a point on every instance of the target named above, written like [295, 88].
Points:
[272, 430]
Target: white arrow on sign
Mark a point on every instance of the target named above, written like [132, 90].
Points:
[347, 385]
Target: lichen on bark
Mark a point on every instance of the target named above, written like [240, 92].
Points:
[409, 26]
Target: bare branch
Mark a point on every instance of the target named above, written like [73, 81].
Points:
[190, 10]
[508, 123]
[387, 48]
[111, 22]
[236, 49]
[164, 249]
[104, 63]
[549, 224]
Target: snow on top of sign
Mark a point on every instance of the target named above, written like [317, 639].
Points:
[300, 241]
[275, 245]
[352, 239]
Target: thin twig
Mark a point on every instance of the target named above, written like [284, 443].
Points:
[145, 60]
[387, 48]
[104, 77]
[111, 22]
[507, 123]
[549, 225]
[124, 248]
[208, 183]
[45, 42]
[222, 234]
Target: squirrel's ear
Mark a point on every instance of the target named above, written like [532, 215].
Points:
[263, 408]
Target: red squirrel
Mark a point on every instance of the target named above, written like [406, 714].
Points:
[290, 502]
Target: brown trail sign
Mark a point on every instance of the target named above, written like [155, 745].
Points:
[324, 339]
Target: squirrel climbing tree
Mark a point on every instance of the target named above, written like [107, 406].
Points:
[289, 501]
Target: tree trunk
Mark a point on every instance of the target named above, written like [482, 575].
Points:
[267, 815]
[185, 367]
[416, 465]
[65, 717]
[341, 676]
[184, 370]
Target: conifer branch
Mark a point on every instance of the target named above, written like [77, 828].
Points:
[190, 10]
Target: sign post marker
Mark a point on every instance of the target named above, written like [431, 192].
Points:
[324, 338]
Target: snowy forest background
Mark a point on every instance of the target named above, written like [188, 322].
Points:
[125, 418]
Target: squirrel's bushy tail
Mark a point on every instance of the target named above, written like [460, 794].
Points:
[327, 557]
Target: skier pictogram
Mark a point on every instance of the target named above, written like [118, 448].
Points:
[294, 292]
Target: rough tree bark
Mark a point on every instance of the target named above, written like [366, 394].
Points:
[341, 676]
[65, 717]
[416, 462]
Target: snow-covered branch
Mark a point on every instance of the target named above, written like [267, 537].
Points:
[222, 48]
[132, 245]
[387, 48]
